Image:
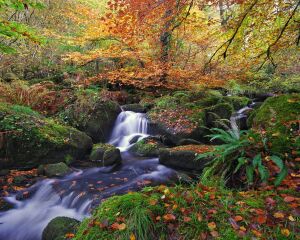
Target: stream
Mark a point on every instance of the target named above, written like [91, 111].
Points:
[76, 194]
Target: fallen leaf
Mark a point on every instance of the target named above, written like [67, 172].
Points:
[289, 199]
[256, 233]
[291, 218]
[238, 218]
[117, 226]
[214, 234]
[169, 217]
[132, 236]
[69, 235]
[285, 232]
[211, 225]
[187, 219]
[278, 215]
[261, 219]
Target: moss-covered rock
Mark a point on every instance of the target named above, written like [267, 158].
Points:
[9, 77]
[105, 155]
[148, 147]
[237, 102]
[184, 157]
[138, 108]
[54, 170]
[59, 227]
[32, 139]
[279, 116]
[92, 115]
[217, 113]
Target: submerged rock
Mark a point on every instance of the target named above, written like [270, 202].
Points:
[32, 139]
[59, 227]
[105, 155]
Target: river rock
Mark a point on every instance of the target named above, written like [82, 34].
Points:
[32, 139]
[59, 227]
[134, 108]
[105, 155]
[56, 170]
[181, 159]
[94, 117]
[188, 141]
[219, 112]
[147, 147]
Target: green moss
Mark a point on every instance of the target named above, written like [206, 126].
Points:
[192, 208]
[146, 149]
[34, 138]
[238, 102]
[276, 116]
[166, 102]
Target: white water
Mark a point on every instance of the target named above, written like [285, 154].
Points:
[128, 125]
[64, 197]
[235, 118]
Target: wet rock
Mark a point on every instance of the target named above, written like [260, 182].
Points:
[181, 159]
[134, 108]
[219, 112]
[148, 147]
[5, 206]
[94, 117]
[56, 170]
[38, 140]
[189, 142]
[59, 227]
[105, 155]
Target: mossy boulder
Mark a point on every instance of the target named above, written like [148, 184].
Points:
[217, 113]
[59, 227]
[148, 147]
[105, 155]
[237, 101]
[93, 116]
[280, 117]
[32, 139]
[54, 170]
[138, 108]
[184, 157]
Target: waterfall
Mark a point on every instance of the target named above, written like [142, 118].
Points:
[129, 126]
[236, 118]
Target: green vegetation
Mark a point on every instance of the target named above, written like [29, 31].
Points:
[189, 211]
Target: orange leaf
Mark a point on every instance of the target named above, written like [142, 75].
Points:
[289, 199]
[117, 226]
[261, 219]
[285, 232]
[256, 233]
[278, 215]
[211, 225]
[187, 219]
[69, 235]
[238, 218]
[132, 236]
[169, 217]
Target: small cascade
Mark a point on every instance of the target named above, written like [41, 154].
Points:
[129, 126]
[77, 193]
[29, 217]
[238, 120]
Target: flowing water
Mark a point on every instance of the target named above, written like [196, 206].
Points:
[76, 194]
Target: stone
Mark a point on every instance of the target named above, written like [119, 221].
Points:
[105, 155]
[181, 159]
[134, 108]
[56, 170]
[59, 227]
